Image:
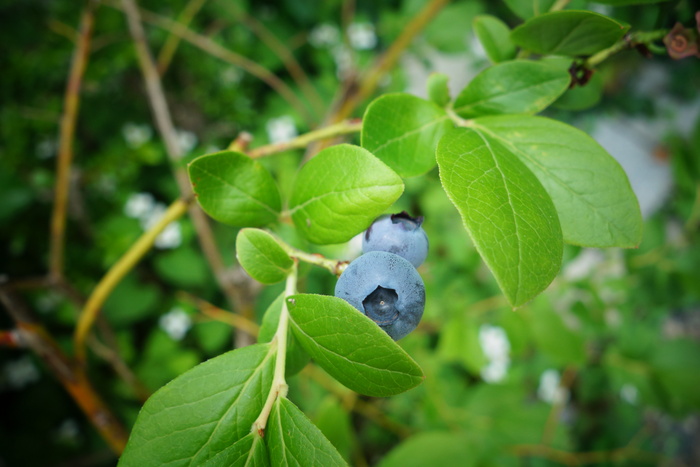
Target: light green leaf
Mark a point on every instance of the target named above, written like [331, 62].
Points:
[553, 338]
[518, 86]
[234, 189]
[203, 411]
[494, 36]
[449, 30]
[335, 423]
[459, 342]
[294, 441]
[403, 130]
[351, 347]
[569, 32]
[593, 197]
[262, 256]
[340, 192]
[297, 358]
[508, 214]
[529, 8]
[438, 91]
[249, 451]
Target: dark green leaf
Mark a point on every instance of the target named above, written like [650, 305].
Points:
[294, 441]
[629, 2]
[571, 33]
[508, 214]
[340, 192]
[518, 86]
[593, 197]
[234, 189]
[494, 36]
[296, 357]
[203, 411]
[262, 256]
[351, 347]
[403, 130]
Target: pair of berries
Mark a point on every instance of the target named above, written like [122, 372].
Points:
[383, 283]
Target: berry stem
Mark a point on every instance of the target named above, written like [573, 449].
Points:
[334, 266]
[279, 386]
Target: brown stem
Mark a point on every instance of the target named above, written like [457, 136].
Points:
[290, 62]
[71, 105]
[168, 51]
[220, 52]
[388, 60]
[71, 375]
[166, 129]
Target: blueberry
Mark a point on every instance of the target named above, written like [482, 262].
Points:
[400, 234]
[386, 288]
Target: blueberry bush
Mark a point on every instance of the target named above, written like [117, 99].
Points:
[392, 277]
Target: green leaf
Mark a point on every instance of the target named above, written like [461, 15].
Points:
[335, 423]
[249, 451]
[518, 86]
[340, 192]
[203, 411]
[296, 357]
[570, 32]
[553, 338]
[293, 440]
[529, 8]
[438, 91]
[403, 130]
[508, 214]
[676, 366]
[234, 189]
[351, 347]
[593, 197]
[449, 30]
[262, 256]
[494, 36]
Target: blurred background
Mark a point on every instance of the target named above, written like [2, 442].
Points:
[601, 369]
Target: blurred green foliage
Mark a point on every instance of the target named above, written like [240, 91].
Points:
[623, 336]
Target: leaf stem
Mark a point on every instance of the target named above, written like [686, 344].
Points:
[345, 127]
[629, 41]
[334, 266]
[118, 271]
[559, 5]
[279, 386]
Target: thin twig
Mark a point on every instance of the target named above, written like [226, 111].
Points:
[388, 60]
[215, 313]
[72, 376]
[290, 62]
[550, 427]
[221, 52]
[168, 50]
[345, 127]
[167, 131]
[118, 271]
[71, 105]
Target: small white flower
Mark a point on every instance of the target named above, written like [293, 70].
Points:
[136, 135]
[281, 129]
[494, 342]
[629, 393]
[170, 237]
[495, 371]
[186, 140]
[496, 347]
[362, 36]
[139, 205]
[324, 35]
[176, 323]
[549, 390]
[21, 372]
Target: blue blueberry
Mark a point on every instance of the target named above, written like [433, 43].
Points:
[386, 288]
[400, 234]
